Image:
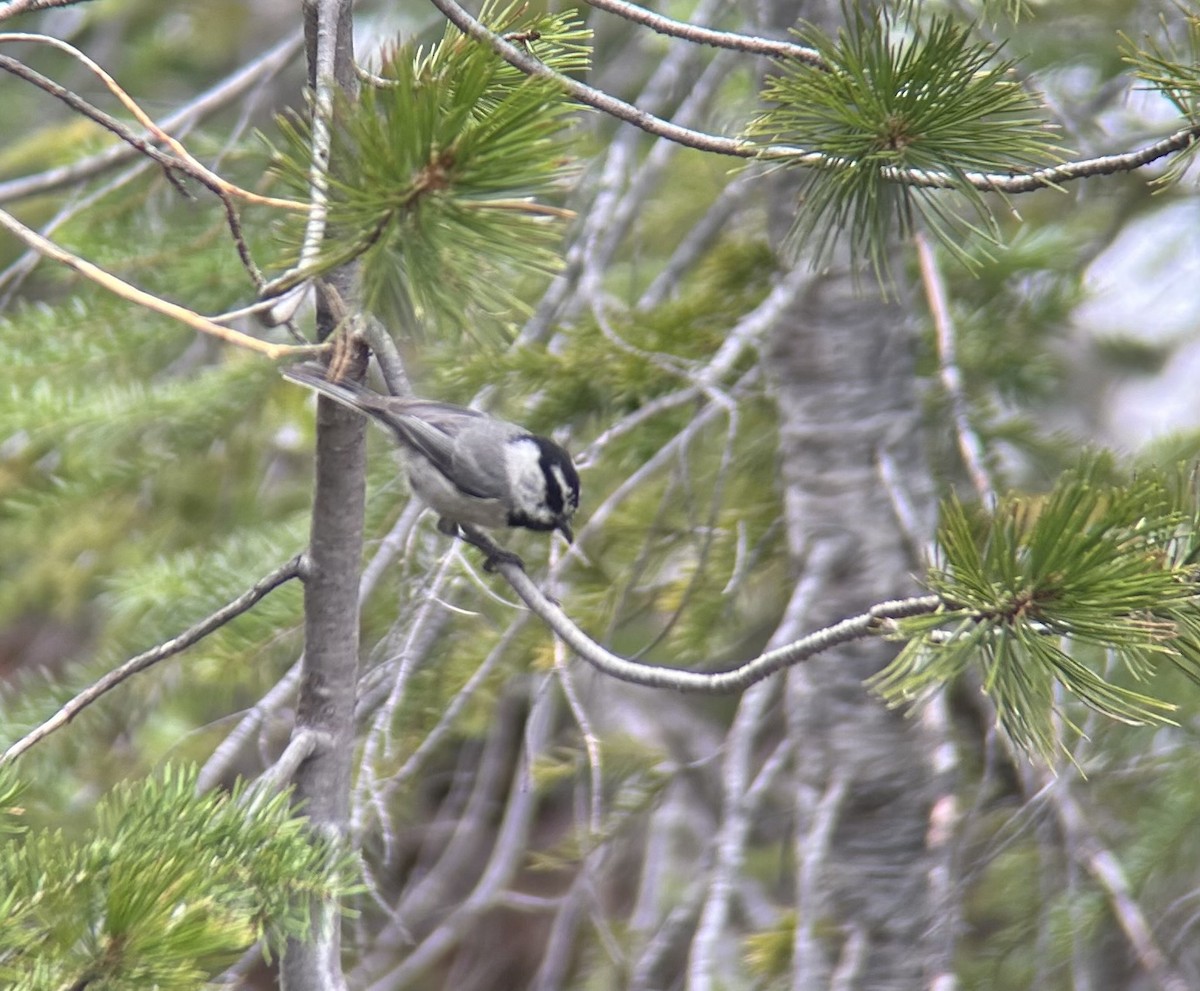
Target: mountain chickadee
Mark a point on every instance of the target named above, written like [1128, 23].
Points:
[467, 466]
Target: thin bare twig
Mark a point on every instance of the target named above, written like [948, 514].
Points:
[279, 775]
[969, 444]
[506, 856]
[183, 161]
[707, 36]
[1106, 869]
[14, 275]
[698, 240]
[587, 733]
[616, 200]
[812, 845]
[284, 573]
[253, 720]
[180, 160]
[81, 106]
[945, 824]
[211, 100]
[226, 753]
[15, 7]
[731, 838]
[125, 290]
[610, 223]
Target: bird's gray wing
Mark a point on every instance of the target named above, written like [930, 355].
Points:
[464, 444]
[430, 428]
[481, 458]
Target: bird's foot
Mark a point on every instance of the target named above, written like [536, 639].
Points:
[495, 555]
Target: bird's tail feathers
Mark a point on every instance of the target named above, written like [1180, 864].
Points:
[347, 392]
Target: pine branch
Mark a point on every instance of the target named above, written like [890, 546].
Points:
[707, 36]
[133, 294]
[1002, 182]
[286, 572]
[166, 885]
[15, 7]
[431, 180]
[875, 621]
[265, 67]
[1095, 564]
[181, 159]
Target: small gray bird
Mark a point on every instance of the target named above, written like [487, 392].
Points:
[468, 466]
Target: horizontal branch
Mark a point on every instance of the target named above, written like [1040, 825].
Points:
[15, 7]
[707, 36]
[1001, 182]
[285, 573]
[870, 623]
[1053, 175]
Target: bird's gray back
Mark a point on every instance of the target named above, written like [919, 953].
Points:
[465, 444]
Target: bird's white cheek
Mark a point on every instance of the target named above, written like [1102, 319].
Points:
[525, 479]
[570, 500]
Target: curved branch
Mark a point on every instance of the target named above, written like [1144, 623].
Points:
[707, 36]
[211, 100]
[284, 573]
[718, 144]
[869, 623]
[183, 160]
[16, 7]
[592, 97]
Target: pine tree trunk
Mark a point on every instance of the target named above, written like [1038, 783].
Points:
[329, 676]
[856, 485]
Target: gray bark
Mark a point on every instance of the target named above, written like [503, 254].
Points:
[856, 484]
[329, 672]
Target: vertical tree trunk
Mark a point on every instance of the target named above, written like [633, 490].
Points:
[856, 488]
[329, 675]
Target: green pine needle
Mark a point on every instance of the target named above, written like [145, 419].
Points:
[438, 173]
[1172, 66]
[168, 887]
[1034, 589]
[899, 98]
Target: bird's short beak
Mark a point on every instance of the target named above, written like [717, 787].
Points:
[565, 529]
